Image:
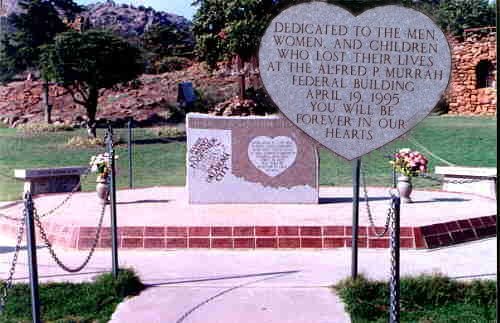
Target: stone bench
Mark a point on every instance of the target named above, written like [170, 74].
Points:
[477, 180]
[51, 180]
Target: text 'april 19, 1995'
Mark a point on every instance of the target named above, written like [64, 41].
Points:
[354, 83]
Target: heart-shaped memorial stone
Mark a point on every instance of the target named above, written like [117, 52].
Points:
[272, 156]
[354, 83]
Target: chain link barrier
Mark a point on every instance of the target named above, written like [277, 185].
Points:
[392, 223]
[394, 246]
[61, 204]
[69, 196]
[7, 284]
[46, 241]
[368, 208]
[11, 218]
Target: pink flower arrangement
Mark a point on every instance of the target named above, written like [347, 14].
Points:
[222, 35]
[409, 163]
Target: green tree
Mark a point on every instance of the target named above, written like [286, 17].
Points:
[228, 28]
[86, 63]
[168, 40]
[457, 15]
[224, 28]
[37, 25]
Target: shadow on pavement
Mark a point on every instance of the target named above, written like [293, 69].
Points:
[333, 200]
[198, 280]
[452, 199]
[8, 249]
[183, 317]
[143, 202]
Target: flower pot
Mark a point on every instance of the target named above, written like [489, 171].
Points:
[102, 189]
[405, 187]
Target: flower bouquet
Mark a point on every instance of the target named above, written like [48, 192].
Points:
[409, 163]
[101, 164]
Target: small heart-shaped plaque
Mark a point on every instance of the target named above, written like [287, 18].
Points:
[272, 156]
[354, 83]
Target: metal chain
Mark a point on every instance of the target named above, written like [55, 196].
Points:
[52, 252]
[63, 202]
[11, 218]
[450, 181]
[7, 284]
[69, 196]
[369, 212]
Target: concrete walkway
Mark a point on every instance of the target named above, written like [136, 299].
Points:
[272, 286]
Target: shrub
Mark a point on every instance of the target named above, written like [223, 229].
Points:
[425, 298]
[171, 64]
[74, 302]
[89, 142]
[167, 132]
[34, 128]
[84, 142]
[442, 107]
[265, 104]
[126, 284]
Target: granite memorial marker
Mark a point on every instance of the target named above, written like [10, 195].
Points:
[249, 160]
[354, 83]
[51, 180]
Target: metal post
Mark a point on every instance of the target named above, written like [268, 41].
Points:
[356, 167]
[114, 233]
[394, 182]
[46, 104]
[394, 283]
[33, 269]
[130, 153]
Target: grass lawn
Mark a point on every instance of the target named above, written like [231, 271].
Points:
[424, 299]
[465, 141]
[67, 302]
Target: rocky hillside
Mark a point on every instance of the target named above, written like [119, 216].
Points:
[129, 21]
[126, 20]
[149, 102]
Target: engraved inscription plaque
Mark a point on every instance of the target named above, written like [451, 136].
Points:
[354, 83]
[272, 156]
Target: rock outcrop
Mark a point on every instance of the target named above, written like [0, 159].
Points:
[129, 21]
[125, 20]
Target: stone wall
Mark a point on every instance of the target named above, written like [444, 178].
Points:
[473, 90]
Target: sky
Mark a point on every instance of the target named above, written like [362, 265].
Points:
[178, 7]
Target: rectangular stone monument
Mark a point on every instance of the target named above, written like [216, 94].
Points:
[249, 160]
[51, 180]
[476, 180]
